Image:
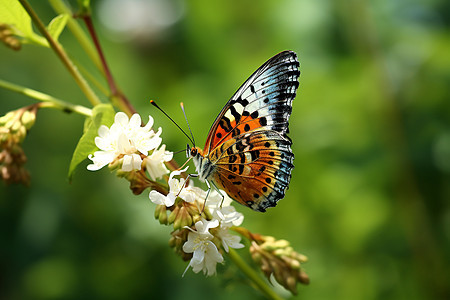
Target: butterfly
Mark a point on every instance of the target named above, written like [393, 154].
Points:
[247, 152]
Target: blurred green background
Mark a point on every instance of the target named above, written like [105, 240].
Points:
[369, 198]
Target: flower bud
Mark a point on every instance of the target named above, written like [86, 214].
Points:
[13, 158]
[186, 219]
[161, 214]
[177, 224]
[8, 37]
[173, 215]
[303, 277]
[277, 257]
[293, 264]
[196, 218]
[179, 237]
[28, 119]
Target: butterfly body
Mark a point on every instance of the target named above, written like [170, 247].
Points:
[247, 152]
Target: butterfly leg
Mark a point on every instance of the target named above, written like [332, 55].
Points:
[185, 183]
[220, 193]
[207, 193]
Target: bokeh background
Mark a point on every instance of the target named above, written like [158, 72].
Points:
[369, 198]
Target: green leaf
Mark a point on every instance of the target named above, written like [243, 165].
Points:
[102, 114]
[13, 14]
[56, 26]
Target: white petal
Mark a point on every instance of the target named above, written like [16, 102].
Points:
[149, 124]
[135, 121]
[198, 256]
[203, 226]
[104, 144]
[168, 155]
[123, 144]
[103, 131]
[156, 197]
[127, 163]
[155, 166]
[100, 159]
[121, 119]
[170, 199]
[212, 257]
[229, 240]
[189, 245]
[177, 172]
[145, 145]
[136, 162]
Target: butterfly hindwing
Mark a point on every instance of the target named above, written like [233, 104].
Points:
[255, 169]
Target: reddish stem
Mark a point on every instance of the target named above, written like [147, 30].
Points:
[123, 102]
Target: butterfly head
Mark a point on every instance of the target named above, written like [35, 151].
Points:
[193, 152]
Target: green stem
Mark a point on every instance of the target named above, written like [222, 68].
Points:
[89, 76]
[92, 97]
[51, 101]
[61, 8]
[95, 52]
[257, 280]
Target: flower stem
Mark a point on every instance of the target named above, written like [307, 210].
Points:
[51, 101]
[257, 280]
[82, 38]
[92, 97]
[95, 52]
[117, 97]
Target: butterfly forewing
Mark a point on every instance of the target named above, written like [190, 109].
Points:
[247, 143]
[264, 101]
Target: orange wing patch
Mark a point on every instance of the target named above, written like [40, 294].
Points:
[254, 169]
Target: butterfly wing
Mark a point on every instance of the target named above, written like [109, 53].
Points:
[263, 102]
[255, 169]
[248, 143]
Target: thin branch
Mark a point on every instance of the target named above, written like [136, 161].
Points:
[117, 96]
[52, 101]
[92, 97]
[61, 8]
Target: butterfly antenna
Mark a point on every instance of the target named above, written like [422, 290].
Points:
[179, 151]
[184, 113]
[156, 105]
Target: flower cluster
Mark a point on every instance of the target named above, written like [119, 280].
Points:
[278, 258]
[8, 37]
[203, 225]
[202, 220]
[13, 130]
[127, 144]
[201, 228]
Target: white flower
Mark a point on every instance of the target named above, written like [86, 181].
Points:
[229, 240]
[176, 188]
[205, 253]
[124, 138]
[222, 210]
[155, 162]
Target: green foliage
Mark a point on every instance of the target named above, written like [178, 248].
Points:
[56, 26]
[12, 13]
[369, 198]
[102, 114]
